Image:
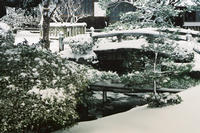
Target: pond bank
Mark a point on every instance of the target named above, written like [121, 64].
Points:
[116, 103]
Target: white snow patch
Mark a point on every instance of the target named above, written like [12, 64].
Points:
[27, 35]
[124, 44]
[186, 3]
[49, 93]
[181, 118]
[4, 27]
[98, 11]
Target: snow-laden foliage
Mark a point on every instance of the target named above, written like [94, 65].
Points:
[149, 13]
[17, 18]
[80, 44]
[6, 36]
[163, 99]
[163, 64]
[69, 11]
[156, 13]
[94, 75]
[38, 89]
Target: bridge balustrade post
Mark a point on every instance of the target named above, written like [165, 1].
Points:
[104, 96]
[119, 38]
[91, 31]
[61, 44]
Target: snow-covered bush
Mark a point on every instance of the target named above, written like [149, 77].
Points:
[163, 99]
[136, 79]
[94, 75]
[38, 89]
[6, 36]
[80, 44]
[17, 18]
[183, 55]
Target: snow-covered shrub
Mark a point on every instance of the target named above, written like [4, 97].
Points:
[183, 55]
[38, 89]
[137, 78]
[17, 18]
[80, 44]
[163, 99]
[6, 36]
[94, 75]
[118, 26]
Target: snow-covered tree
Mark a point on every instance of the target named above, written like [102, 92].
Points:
[196, 2]
[69, 11]
[149, 13]
[156, 13]
[17, 18]
[48, 8]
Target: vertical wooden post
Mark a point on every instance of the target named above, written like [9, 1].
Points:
[104, 96]
[61, 44]
[91, 31]
[84, 29]
[119, 37]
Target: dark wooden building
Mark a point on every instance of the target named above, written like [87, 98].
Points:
[98, 18]
[191, 20]
[95, 16]
[188, 19]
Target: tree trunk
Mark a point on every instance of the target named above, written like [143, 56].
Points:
[46, 25]
[154, 80]
[45, 31]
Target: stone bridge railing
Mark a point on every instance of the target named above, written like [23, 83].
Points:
[121, 34]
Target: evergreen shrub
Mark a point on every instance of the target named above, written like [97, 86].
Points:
[80, 44]
[162, 99]
[38, 89]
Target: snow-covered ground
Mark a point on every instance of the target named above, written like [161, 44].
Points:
[27, 35]
[181, 118]
[34, 38]
[54, 44]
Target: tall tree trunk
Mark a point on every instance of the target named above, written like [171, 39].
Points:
[154, 69]
[46, 25]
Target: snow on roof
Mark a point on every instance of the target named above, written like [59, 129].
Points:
[181, 118]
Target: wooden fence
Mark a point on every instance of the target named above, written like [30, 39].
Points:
[192, 25]
[68, 29]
